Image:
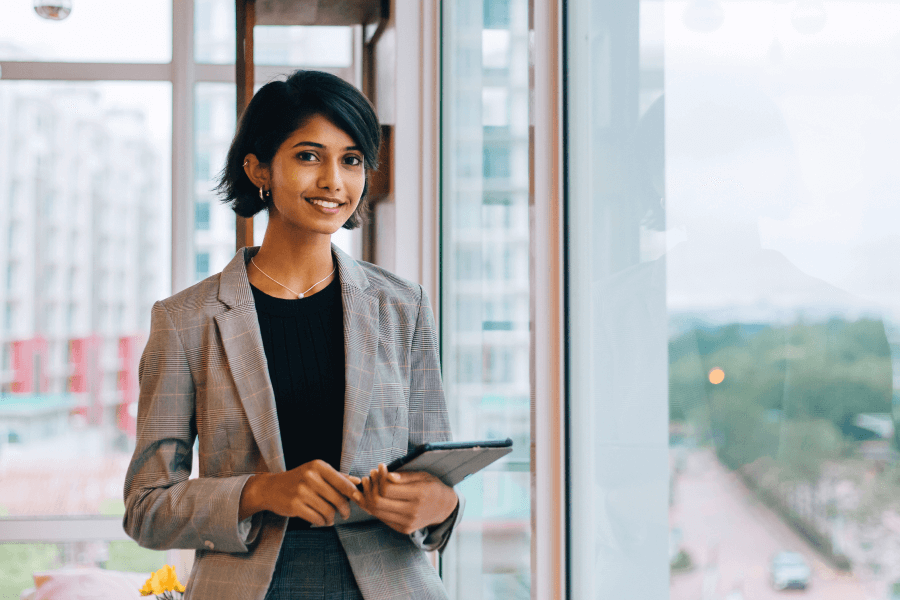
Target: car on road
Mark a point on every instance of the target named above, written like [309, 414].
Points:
[790, 571]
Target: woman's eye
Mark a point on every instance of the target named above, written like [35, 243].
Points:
[354, 161]
[307, 156]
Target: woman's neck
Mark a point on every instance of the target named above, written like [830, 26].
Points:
[293, 261]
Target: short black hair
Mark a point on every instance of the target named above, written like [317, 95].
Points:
[277, 110]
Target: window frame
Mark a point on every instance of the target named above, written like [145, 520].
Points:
[548, 355]
[182, 73]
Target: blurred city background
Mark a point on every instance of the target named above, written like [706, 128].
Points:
[732, 276]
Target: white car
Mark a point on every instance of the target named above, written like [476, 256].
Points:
[789, 570]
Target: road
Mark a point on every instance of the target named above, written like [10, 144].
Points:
[731, 538]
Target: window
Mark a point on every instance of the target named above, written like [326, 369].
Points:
[214, 35]
[202, 265]
[729, 277]
[93, 184]
[201, 215]
[497, 14]
[201, 166]
[496, 162]
[498, 364]
[484, 111]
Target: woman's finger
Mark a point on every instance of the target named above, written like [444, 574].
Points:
[368, 492]
[338, 481]
[336, 499]
[387, 475]
[310, 514]
[321, 506]
[408, 492]
[376, 480]
[390, 506]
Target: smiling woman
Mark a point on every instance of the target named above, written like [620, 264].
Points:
[296, 397]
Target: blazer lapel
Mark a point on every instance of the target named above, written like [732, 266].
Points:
[242, 342]
[360, 346]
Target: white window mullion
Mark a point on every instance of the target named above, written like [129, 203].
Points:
[183, 79]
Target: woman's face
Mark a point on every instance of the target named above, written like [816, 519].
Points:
[316, 178]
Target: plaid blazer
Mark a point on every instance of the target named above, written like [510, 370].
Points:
[203, 376]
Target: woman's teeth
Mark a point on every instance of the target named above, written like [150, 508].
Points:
[323, 203]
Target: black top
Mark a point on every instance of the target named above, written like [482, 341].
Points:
[304, 344]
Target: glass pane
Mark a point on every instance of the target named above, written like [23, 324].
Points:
[85, 249]
[735, 410]
[214, 123]
[485, 286]
[214, 40]
[95, 31]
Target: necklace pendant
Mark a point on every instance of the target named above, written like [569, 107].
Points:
[299, 296]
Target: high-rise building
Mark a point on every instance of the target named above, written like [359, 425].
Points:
[80, 249]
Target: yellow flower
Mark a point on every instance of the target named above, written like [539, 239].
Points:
[164, 580]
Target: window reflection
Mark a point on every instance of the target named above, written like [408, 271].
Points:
[742, 305]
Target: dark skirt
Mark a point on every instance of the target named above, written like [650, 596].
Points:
[312, 564]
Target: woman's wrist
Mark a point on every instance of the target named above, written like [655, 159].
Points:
[450, 502]
[252, 497]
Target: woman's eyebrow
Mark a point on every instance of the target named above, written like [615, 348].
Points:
[318, 145]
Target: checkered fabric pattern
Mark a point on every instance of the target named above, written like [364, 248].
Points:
[312, 565]
[203, 376]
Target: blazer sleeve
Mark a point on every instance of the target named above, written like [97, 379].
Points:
[428, 418]
[163, 507]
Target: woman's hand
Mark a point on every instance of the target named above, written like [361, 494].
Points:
[313, 491]
[406, 501]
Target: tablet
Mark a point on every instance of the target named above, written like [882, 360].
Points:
[451, 462]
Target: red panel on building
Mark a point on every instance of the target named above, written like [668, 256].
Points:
[23, 366]
[23, 359]
[129, 354]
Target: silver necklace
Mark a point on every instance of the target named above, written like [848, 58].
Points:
[301, 295]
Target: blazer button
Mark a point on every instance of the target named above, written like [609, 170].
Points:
[209, 544]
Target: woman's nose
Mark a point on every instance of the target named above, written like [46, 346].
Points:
[329, 176]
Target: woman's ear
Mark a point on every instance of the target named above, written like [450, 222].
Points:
[257, 172]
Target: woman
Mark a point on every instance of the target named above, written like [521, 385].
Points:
[300, 372]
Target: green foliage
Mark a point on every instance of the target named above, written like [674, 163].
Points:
[128, 556]
[788, 390]
[806, 444]
[19, 561]
[682, 562]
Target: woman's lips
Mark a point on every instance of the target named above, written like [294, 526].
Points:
[325, 205]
